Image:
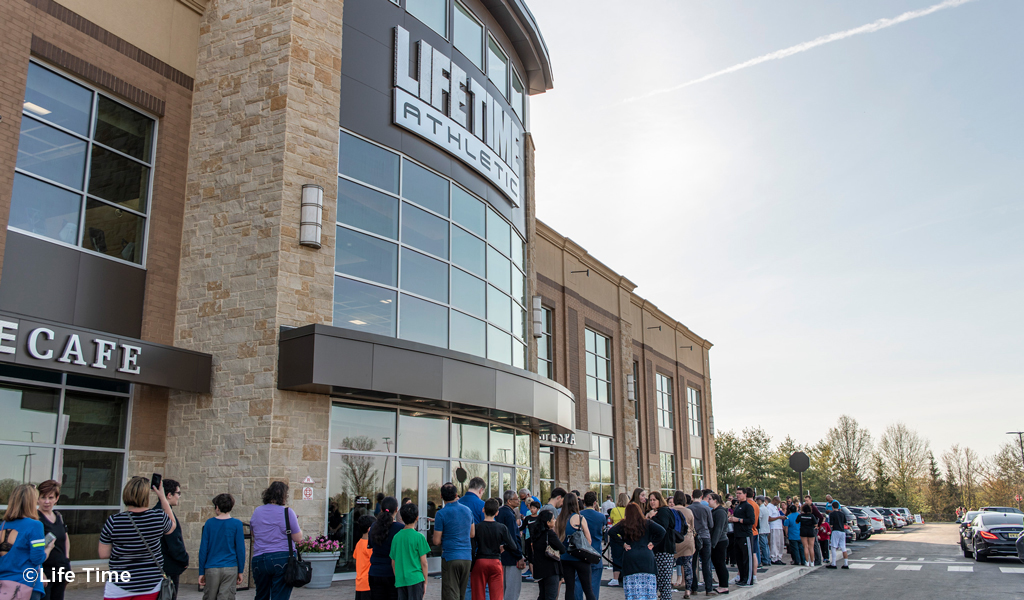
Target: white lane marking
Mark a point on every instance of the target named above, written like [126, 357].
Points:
[927, 562]
[908, 567]
[960, 569]
[1012, 569]
[861, 566]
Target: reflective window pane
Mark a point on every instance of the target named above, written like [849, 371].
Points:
[423, 230]
[523, 453]
[497, 67]
[83, 529]
[353, 476]
[44, 209]
[518, 321]
[94, 420]
[502, 445]
[425, 188]
[469, 440]
[422, 435]
[516, 99]
[364, 307]
[424, 275]
[499, 308]
[468, 334]
[368, 163]
[499, 345]
[463, 472]
[499, 232]
[517, 251]
[468, 211]
[518, 286]
[468, 293]
[57, 99]
[30, 414]
[362, 428]
[499, 270]
[518, 354]
[433, 13]
[366, 257]
[468, 251]
[50, 153]
[118, 179]
[23, 464]
[123, 129]
[112, 231]
[469, 35]
[93, 478]
[423, 322]
[367, 209]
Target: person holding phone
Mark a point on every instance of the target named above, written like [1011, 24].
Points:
[173, 544]
[53, 523]
[22, 545]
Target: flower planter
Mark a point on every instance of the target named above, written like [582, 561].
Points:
[323, 568]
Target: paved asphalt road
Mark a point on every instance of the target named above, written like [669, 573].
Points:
[922, 561]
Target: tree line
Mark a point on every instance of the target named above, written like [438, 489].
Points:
[897, 469]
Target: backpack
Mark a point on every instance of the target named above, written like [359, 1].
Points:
[681, 527]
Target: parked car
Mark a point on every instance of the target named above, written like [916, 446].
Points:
[965, 527]
[863, 522]
[890, 523]
[852, 530]
[906, 514]
[897, 519]
[1000, 509]
[875, 519]
[994, 534]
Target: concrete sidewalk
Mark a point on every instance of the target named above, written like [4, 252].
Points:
[767, 580]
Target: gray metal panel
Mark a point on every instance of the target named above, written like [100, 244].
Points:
[368, 113]
[372, 17]
[109, 296]
[407, 372]
[599, 417]
[516, 394]
[341, 362]
[295, 361]
[427, 153]
[374, 63]
[545, 403]
[467, 383]
[39, 278]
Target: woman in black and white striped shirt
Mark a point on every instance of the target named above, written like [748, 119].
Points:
[129, 553]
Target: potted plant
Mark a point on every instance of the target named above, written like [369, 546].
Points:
[323, 554]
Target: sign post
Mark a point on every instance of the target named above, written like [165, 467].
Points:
[799, 462]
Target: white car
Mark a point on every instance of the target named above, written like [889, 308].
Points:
[876, 519]
[907, 515]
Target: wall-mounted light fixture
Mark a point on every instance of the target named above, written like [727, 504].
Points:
[311, 215]
[658, 327]
[587, 271]
[687, 347]
[630, 388]
[538, 317]
[711, 425]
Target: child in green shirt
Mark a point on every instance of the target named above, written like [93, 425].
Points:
[409, 551]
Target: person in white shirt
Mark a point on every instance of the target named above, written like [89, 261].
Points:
[777, 541]
[607, 506]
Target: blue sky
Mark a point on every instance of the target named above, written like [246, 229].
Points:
[846, 225]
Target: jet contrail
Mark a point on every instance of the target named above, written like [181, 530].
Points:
[805, 46]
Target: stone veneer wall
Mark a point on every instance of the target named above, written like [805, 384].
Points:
[265, 122]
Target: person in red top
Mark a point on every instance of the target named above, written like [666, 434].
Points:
[824, 534]
[362, 554]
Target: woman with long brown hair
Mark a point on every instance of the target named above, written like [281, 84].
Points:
[23, 545]
[637, 536]
[639, 498]
[569, 522]
[660, 513]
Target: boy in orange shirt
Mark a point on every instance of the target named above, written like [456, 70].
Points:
[362, 555]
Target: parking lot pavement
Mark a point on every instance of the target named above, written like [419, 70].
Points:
[922, 561]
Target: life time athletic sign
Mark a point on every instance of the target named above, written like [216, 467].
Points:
[34, 343]
[471, 125]
[568, 440]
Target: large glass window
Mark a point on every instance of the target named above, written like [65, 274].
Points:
[598, 352]
[422, 434]
[602, 466]
[497, 66]
[433, 13]
[693, 400]
[668, 474]
[70, 428]
[440, 244]
[545, 351]
[517, 98]
[469, 35]
[697, 466]
[84, 168]
[663, 390]
[546, 472]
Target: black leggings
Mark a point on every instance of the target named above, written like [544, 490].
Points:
[548, 588]
[718, 559]
[571, 568]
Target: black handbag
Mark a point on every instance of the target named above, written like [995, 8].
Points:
[166, 585]
[297, 572]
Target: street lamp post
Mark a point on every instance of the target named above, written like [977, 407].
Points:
[1020, 439]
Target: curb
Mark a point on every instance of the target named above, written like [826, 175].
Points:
[770, 583]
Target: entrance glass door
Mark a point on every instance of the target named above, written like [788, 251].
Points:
[420, 482]
[502, 479]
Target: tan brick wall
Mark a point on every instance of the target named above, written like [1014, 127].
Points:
[265, 122]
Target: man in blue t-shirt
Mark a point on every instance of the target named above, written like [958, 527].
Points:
[453, 530]
[474, 501]
[595, 523]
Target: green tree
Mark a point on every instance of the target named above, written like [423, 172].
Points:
[903, 451]
[728, 460]
[852, 447]
[756, 453]
[787, 481]
[820, 479]
[881, 485]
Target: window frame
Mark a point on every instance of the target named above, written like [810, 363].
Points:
[482, 65]
[448, 35]
[668, 465]
[547, 320]
[513, 75]
[83, 194]
[596, 454]
[666, 403]
[696, 424]
[697, 473]
[608, 366]
[508, 64]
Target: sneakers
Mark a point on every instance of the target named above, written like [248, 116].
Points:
[830, 566]
[845, 567]
[613, 583]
